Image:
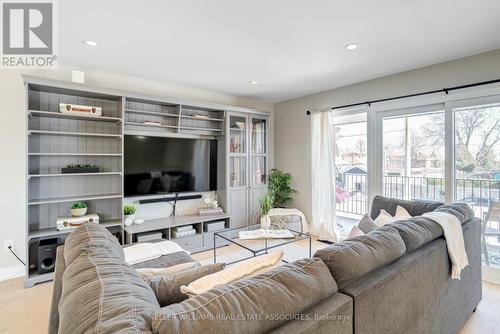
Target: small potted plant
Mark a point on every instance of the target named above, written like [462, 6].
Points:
[80, 168]
[129, 214]
[78, 209]
[266, 204]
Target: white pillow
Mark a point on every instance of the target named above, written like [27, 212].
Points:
[150, 272]
[385, 218]
[355, 232]
[240, 270]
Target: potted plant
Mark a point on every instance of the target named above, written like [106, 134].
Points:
[80, 168]
[129, 214]
[266, 204]
[280, 183]
[78, 209]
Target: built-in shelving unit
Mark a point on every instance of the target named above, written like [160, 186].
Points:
[151, 117]
[76, 154]
[57, 139]
[51, 232]
[49, 114]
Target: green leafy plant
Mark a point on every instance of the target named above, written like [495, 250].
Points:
[266, 202]
[79, 205]
[129, 209]
[280, 183]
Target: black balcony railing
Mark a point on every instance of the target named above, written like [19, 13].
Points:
[352, 191]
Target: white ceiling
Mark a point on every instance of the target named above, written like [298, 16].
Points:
[292, 47]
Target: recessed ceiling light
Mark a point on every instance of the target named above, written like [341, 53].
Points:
[253, 82]
[91, 43]
[352, 46]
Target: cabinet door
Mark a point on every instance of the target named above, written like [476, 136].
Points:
[255, 194]
[238, 204]
[237, 134]
[258, 166]
[258, 152]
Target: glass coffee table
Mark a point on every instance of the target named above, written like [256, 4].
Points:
[256, 247]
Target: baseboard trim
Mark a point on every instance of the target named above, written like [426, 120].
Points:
[491, 275]
[12, 272]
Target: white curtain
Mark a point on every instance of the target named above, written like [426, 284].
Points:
[323, 176]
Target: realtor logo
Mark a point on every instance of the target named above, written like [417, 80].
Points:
[28, 31]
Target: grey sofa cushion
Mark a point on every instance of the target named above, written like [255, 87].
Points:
[462, 211]
[168, 288]
[417, 231]
[100, 292]
[265, 299]
[88, 236]
[414, 208]
[354, 258]
[366, 224]
[165, 261]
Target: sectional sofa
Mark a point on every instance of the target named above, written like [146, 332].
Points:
[395, 279]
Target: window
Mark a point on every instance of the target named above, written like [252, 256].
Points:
[413, 156]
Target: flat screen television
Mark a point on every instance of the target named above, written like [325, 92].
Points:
[157, 165]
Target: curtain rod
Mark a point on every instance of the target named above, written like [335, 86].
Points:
[444, 90]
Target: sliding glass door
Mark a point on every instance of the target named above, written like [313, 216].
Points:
[351, 152]
[413, 155]
[477, 170]
[447, 152]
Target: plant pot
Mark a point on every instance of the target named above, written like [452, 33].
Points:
[78, 212]
[265, 222]
[128, 219]
[76, 170]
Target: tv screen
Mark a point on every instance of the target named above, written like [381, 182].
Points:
[157, 165]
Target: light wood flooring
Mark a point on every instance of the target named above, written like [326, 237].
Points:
[27, 310]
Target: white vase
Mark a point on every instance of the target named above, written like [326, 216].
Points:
[78, 212]
[265, 222]
[128, 219]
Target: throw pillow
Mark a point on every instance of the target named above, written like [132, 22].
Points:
[355, 232]
[385, 218]
[150, 272]
[366, 224]
[168, 288]
[244, 269]
[401, 213]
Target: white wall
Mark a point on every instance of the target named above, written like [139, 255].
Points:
[13, 139]
[292, 126]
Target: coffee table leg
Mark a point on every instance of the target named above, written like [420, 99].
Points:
[215, 251]
[310, 247]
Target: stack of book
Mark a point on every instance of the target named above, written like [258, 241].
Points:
[210, 211]
[183, 231]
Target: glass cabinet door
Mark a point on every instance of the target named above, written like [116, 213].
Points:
[258, 136]
[237, 171]
[258, 152]
[237, 134]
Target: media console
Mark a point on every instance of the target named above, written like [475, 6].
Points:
[202, 240]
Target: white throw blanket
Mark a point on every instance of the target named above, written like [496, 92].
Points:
[454, 240]
[291, 212]
[149, 251]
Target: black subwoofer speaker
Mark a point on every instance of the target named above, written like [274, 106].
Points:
[47, 255]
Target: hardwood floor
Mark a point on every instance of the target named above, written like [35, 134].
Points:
[27, 310]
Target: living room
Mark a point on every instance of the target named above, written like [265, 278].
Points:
[250, 167]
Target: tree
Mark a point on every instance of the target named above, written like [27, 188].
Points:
[477, 134]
